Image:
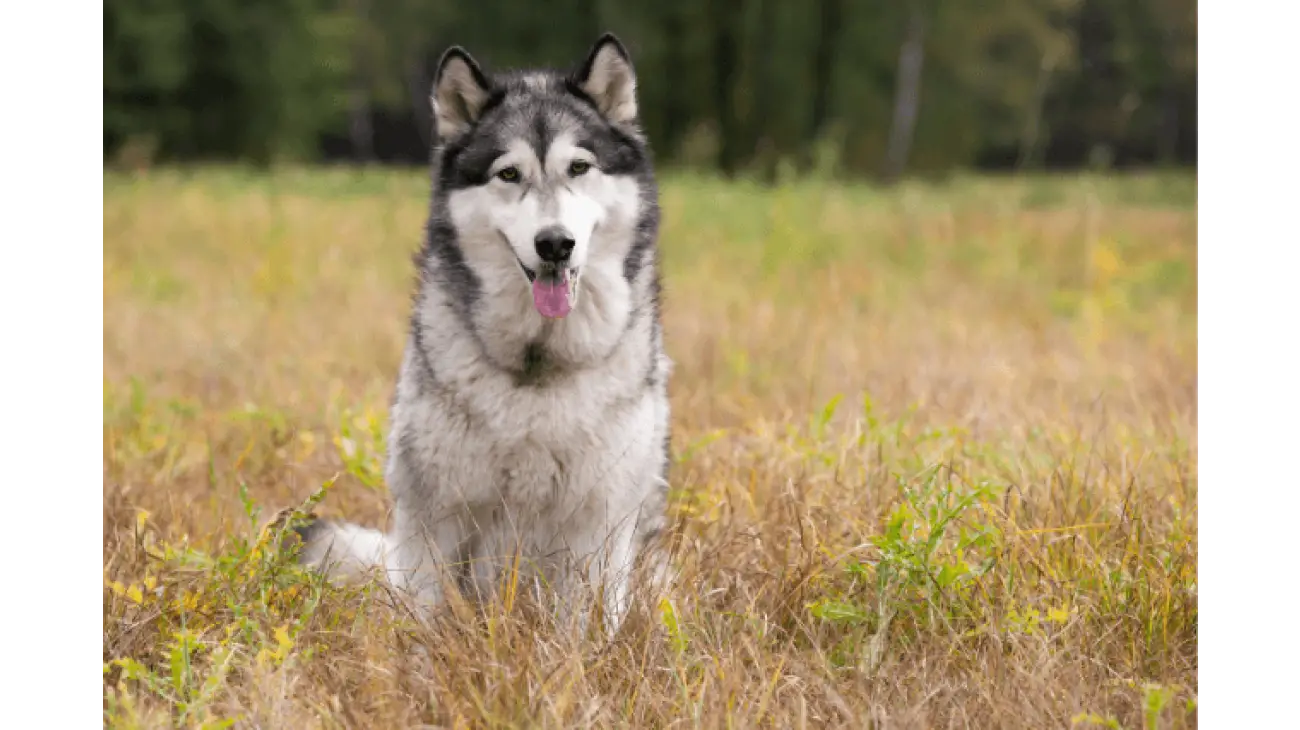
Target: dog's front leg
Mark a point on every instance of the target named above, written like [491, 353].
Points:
[615, 575]
[425, 550]
[606, 554]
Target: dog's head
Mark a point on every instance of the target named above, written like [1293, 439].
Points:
[541, 170]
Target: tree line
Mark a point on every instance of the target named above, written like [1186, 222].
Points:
[874, 88]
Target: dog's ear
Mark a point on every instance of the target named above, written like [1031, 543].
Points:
[607, 77]
[459, 91]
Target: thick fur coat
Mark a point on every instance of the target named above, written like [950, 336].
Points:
[530, 420]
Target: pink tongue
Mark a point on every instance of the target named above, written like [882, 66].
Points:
[551, 296]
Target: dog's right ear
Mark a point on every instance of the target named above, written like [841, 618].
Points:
[459, 91]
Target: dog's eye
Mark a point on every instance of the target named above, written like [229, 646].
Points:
[509, 174]
[579, 167]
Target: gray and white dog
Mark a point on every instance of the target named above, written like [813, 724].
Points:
[530, 421]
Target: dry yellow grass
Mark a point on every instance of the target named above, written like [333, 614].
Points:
[935, 463]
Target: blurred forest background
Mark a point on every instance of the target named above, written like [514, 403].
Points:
[853, 88]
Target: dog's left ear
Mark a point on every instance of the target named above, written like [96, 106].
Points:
[607, 77]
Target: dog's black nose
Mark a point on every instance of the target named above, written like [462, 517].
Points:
[554, 244]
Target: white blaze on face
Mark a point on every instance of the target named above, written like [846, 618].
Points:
[577, 206]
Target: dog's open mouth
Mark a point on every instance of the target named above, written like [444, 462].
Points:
[555, 288]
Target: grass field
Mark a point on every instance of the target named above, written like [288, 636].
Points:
[935, 463]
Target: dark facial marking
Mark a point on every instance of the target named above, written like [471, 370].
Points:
[466, 159]
[542, 136]
[615, 152]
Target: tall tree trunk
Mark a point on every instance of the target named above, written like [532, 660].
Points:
[726, 65]
[1167, 134]
[831, 27]
[674, 113]
[360, 129]
[907, 93]
[764, 145]
[1030, 149]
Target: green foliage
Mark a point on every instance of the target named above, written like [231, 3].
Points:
[938, 541]
[250, 601]
[210, 79]
[223, 80]
[933, 548]
[360, 445]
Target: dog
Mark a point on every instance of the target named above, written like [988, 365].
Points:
[530, 421]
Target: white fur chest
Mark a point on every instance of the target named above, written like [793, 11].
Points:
[582, 432]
